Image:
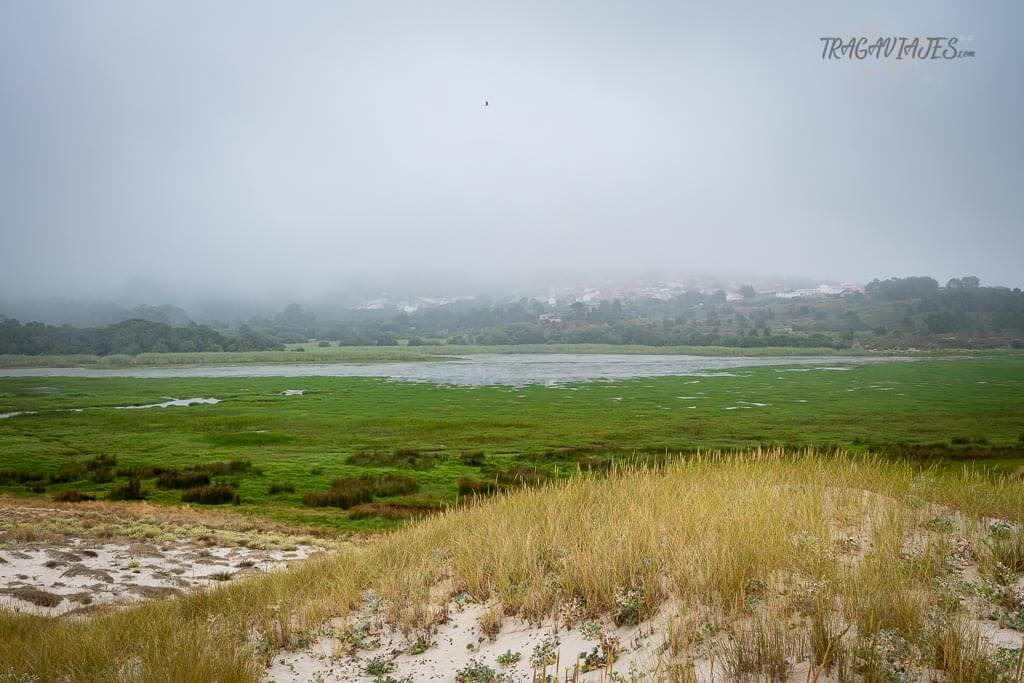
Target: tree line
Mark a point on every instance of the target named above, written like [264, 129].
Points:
[128, 337]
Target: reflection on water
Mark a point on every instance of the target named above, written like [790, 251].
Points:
[174, 403]
[481, 369]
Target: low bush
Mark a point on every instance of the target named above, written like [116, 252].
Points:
[140, 471]
[217, 494]
[346, 492]
[393, 484]
[129, 490]
[277, 487]
[512, 476]
[9, 476]
[391, 511]
[476, 487]
[187, 479]
[219, 468]
[71, 496]
[99, 469]
[473, 458]
[401, 457]
[104, 475]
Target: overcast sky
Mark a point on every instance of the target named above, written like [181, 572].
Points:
[252, 146]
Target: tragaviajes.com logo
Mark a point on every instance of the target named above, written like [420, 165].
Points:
[893, 47]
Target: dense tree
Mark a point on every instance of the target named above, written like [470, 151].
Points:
[128, 337]
[896, 289]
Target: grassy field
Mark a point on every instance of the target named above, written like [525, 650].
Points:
[397, 450]
[313, 353]
[765, 565]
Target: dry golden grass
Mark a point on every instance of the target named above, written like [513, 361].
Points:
[766, 558]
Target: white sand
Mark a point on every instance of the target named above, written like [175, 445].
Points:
[455, 644]
[51, 579]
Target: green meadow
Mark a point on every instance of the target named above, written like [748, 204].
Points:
[446, 441]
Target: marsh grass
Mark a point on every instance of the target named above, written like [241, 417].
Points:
[409, 425]
[809, 557]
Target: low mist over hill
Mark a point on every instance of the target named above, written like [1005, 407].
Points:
[894, 313]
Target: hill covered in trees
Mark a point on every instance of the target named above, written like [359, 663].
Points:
[895, 313]
[914, 312]
[128, 337]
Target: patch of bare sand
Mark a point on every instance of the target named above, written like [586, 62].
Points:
[81, 574]
[66, 559]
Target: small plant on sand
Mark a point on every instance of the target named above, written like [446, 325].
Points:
[478, 672]
[545, 652]
[419, 646]
[630, 604]
[886, 656]
[591, 630]
[490, 621]
[573, 610]
[378, 666]
[602, 655]
[508, 658]
[357, 636]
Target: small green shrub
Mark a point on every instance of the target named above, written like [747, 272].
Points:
[545, 652]
[378, 666]
[508, 658]
[277, 487]
[477, 672]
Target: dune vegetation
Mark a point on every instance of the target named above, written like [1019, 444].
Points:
[760, 566]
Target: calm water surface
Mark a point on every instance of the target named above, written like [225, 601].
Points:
[485, 368]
